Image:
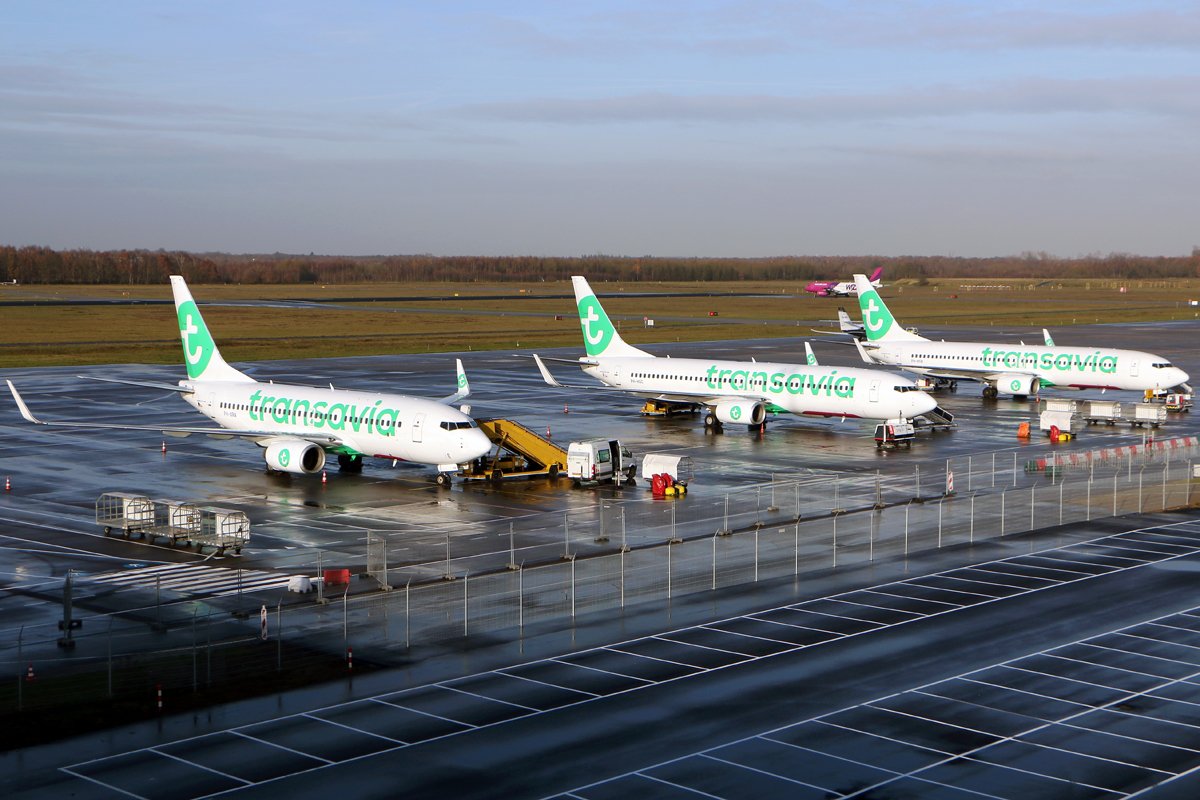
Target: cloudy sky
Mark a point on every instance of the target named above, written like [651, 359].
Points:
[691, 128]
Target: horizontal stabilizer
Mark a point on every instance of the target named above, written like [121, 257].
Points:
[145, 384]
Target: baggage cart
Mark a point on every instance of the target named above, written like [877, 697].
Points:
[222, 529]
[175, 520]
[132, 514]
[1106, 411]
[1151, 414]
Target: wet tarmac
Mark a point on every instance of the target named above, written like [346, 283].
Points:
[47, 527]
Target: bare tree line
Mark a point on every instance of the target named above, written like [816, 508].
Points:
[46, 265]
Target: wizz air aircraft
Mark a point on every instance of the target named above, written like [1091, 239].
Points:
[298, 425]
[738, 392]
[841, 288]
[1017, 370]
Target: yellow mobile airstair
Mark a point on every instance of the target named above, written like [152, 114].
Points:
[519, 453]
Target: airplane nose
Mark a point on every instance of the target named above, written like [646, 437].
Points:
[1180, 376]
[476, 443]
[923, 404]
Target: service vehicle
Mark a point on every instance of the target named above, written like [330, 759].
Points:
[600, 461]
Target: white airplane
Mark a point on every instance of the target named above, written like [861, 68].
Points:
[1017, 370]
[297, 425]
[734, 391]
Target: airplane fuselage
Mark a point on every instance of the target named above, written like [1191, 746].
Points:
[1064, 367]
[796, 388]
[365, 423]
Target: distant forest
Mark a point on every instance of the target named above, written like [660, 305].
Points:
[44, 265]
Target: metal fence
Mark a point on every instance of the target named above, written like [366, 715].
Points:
[622, 553]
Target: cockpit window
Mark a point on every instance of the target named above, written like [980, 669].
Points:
[458, 426]
[1161, 365]
[911, 388]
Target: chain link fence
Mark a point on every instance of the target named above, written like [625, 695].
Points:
[620, 553]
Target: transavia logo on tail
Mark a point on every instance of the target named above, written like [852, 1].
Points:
[197, 343]
[597, 330]
[462, 381]
[876, 318]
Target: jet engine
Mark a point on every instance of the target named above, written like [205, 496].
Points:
[294, 455]
[1015, 383]
[741, 412]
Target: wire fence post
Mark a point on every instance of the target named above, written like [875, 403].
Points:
[572, 588]
[1141, 472]
[467, 574]
[906, 508]
[1116, 475]
[796, 497]
[1032, 504]
[1187, 482]
[1014, 469]
[512, 551]
[521, 596]
[796, 552]
[870, 537]
[623, 551]
[993, 469]
[725, 524]
[918, 476]
[1088, 515]
[669, 549]
[835, 519]
[408, 613]
[566, 536]
[970, 469]
[1061, 488]
[714, 561]
[1002, 492]
[773, 508]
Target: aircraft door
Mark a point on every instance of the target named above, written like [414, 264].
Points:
[418, 424]
[873, 394]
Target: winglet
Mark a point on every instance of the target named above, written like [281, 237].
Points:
[862, 352]
[24, 409]
[464, 386]
[811, 357]
[1049, 339]
[546, 376]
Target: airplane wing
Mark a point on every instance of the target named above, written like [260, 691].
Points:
[144, 384]
[464, 386]
[172, 430]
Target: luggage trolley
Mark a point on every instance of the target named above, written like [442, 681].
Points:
[129, 513]
[222, 529]
[176, 520]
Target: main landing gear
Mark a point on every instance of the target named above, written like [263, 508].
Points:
[350, 464]
[990, 392]
[443, 480]
[711, 423]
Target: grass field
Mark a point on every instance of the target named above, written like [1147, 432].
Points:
[364, 321]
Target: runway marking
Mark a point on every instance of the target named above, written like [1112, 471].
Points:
[314, 718]
[747, 635]
[544, 683]
[920, 599]
[1038, 584]
[191, 579]
[251, 737]
[486, 697]
[154, 749]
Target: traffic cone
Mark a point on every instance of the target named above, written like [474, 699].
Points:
[164, 447]
[29, 676]
[565, 409]
[7, 483]
[350, 658]
[158, 695]
[547, 431]
[323, 478]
